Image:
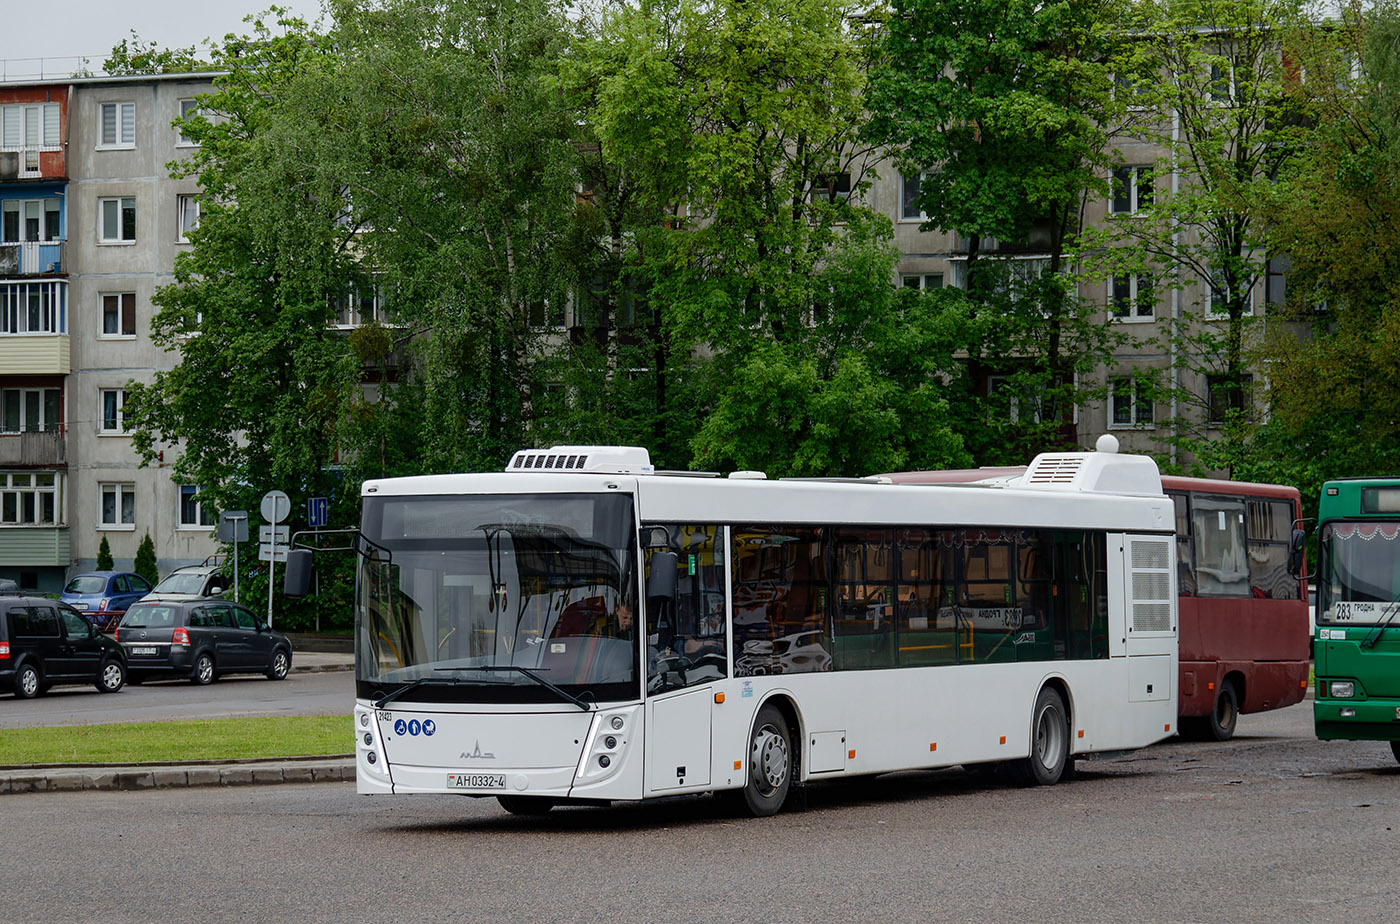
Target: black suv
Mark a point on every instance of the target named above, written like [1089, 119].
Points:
[44, 643]
[200, 639]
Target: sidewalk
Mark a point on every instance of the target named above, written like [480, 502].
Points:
[70, 778]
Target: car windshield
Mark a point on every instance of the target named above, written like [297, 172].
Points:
[1360, 573]
[150, 616]
[474, 587]
[86, 584]
[181, 582]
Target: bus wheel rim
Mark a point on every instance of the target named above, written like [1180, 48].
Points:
[770, 758]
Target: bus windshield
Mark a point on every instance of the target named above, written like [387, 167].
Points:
[498, 598]
[1360, 573]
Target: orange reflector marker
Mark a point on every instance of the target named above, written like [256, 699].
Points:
[933, 745]
[1211, 685]
[1081, 733]
[1167, 727]
[1302, 684]
[1003, 739]
[738, 765]
[719, 697]
[852, 755]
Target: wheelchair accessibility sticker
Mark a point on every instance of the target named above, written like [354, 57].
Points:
[414, 728]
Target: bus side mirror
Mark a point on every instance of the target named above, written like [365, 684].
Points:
[1295, 553]
[297, 581]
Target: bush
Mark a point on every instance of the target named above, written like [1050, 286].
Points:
[104, 556]
[146, 560]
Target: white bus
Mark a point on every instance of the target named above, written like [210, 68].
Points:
[581, 628]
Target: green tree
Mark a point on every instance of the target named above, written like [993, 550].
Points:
[104, 556]
[737, 130]
[145, 564]
[999, 114]
[1211, 81]
[1334, 352]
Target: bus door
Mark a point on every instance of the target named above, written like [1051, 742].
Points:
[687, 650]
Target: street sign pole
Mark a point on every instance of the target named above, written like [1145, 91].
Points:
[275, 507]
[233, 527]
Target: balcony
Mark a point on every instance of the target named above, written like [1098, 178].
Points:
[33, 449]
[32, 258]
[35, 354]
[44, 546]
[33, 163]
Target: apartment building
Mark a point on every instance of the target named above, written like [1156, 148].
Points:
[90, 224]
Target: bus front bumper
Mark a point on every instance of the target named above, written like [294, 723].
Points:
[1357, 720]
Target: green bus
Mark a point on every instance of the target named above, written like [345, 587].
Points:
[1357, 648]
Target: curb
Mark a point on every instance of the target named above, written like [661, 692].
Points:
[75, 779]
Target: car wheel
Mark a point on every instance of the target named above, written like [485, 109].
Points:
[203, 672]
[280, 664]
[112, 677]
[27, 681]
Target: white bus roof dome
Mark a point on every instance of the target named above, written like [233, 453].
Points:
[610, 460]
[1105, 470]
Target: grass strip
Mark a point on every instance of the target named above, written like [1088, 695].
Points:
[202, 739]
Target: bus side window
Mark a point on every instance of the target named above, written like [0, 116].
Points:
[1185, 565]
[685, 605]
[1270, 524]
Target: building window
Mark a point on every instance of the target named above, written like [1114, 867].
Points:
[29, 498]
[118, 506]
[33, 308]
[30, 409]
[194, 514]
[27, 129]
[24, 220]
[1021, 407]
[189, 109]
[119, 314]
[1226, 399]
[1132, 297]
[1276, 281]
[909, 198]
[113, 411]
[547, 313]
[832, 187]
[1132, 190]
[118, 128]
[922, 281]
[188, 218]
[361, 304]
[118, 220]
[1130, 403]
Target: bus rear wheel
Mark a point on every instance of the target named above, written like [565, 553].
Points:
[525, 805]
[1049, 741]
[770, 763]
[1220, 724]
[1395, 749]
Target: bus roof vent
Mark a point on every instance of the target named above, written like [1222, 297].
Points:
[609, 460]
[1104, 471]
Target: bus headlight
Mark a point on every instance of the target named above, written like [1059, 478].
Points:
[1343, 689]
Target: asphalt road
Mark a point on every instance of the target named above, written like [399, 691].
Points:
[1273, 826]
[324, 693]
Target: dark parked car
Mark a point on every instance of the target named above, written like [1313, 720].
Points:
[44, 643]
[102, 596]
[191, 583]
[200, 639]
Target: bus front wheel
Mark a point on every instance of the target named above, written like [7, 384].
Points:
[1220, 724]
[1395, 749]
[770, 763]
[525, 805]
[1049, 741]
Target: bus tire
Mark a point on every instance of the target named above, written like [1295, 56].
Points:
[770, 763]
[1395, 749]
[1220, 724]
[1049, 741]
[525, 805]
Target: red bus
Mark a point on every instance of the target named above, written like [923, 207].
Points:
[1244, 636]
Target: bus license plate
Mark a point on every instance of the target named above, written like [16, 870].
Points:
[476, 781]
[143, 651]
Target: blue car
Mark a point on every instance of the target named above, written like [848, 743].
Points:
[103, 596]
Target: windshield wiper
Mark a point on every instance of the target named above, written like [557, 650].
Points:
[564, 694]
[413, 685]
[1375, 636]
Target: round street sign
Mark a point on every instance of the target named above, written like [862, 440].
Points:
[275, 506]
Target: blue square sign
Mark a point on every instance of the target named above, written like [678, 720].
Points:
[317, 510]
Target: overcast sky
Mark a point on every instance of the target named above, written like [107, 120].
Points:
[89, 28]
